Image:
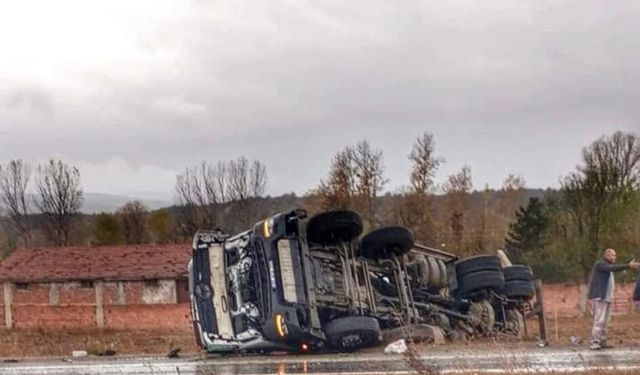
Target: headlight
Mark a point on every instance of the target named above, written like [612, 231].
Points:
[281, 325]
[267, 228]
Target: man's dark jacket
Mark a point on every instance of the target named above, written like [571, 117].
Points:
[600, 277]
[636, 291]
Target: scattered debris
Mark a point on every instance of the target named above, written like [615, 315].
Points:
[418, 333]
[68, 360]
[173, 353]
[396, 347]
[107, 353]
[79, 353]
[575, 340]
[542, 343]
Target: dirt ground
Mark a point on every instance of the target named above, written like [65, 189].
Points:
[624, 331]
[39, 343]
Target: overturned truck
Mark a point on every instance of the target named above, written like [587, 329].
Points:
[298, 284]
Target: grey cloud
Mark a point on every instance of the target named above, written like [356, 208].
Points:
[505, 87]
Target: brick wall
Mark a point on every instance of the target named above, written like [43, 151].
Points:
[110, 294]
[76, 294]
[44, 316]
[126, 305]
[35, 294]
[176, 316]
[564, 299]
[133, 292]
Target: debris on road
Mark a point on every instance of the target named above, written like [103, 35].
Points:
[79, 353]
[173, 353]
[396, 347]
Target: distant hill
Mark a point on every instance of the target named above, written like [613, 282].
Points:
[95, 203]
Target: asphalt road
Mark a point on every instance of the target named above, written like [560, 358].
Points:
[451, 361]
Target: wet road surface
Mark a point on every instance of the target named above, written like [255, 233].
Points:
[452, 361]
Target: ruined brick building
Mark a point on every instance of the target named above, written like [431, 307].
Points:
[120, 287]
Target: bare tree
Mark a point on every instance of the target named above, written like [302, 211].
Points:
[60, 199]
[370, 180]
[14, 180]
[457, 189]
[514, 195]
[133, 216]
[200, 192]
[414, 208]
[425, 163]
[205, 190]
[247, 184]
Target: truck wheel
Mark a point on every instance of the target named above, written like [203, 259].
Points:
[333, 227]
[384, 242]
[482, 316]
[353, 332]
[518, 272]
[478, 263]
[515, 323]
[480, 280]
[519, 289]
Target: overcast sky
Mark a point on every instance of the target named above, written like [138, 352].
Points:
[131, 92]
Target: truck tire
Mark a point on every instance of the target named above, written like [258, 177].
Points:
[515, 323]
[518, 272]
[479, 280]
[478, 263]
[353, 332]
[519, 289]
[332, 227]
[384, 242]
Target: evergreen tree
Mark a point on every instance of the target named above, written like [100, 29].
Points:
[528, 232]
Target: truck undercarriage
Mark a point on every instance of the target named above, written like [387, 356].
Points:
[299, 284]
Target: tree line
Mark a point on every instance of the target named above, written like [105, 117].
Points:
[560, 232]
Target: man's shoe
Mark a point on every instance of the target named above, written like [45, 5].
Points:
[595, 346]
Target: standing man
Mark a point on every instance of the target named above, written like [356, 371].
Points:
[601, 290]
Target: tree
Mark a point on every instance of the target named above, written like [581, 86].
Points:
[355, 181]
[200, 191]
[107, 230]
[528, 232]
[370, 180]
[133, 218]
[161, 226]
[247, 184]
[425, 163]
[59, 199]
[457, 189]
[413, 208]
[513, 194]
[14, 180]
[602, 192]
[205, 190]
[336, 192]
